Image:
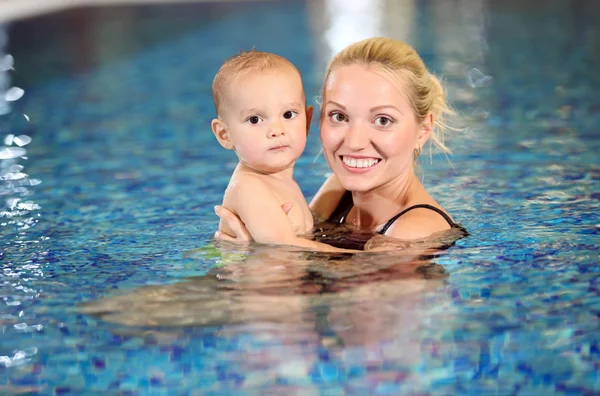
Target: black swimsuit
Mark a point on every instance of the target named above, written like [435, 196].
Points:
[357, 240]
[341, 211]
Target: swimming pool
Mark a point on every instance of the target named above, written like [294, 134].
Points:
[122, 173]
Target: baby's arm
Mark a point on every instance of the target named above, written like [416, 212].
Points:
[258, 208]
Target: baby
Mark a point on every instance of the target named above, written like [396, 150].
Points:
[262, 116]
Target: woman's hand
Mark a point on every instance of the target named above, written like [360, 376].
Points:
[237, 226]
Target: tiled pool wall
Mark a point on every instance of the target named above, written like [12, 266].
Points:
[11, 10]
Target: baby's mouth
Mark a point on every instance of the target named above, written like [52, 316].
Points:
[359, 162]
[279, 148]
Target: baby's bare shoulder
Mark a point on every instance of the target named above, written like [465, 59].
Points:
[245, 180]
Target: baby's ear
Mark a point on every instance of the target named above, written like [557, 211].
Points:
[309, 114]
[219, 128]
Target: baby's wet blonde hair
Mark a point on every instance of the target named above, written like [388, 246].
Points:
[245, 62]
[424, 90]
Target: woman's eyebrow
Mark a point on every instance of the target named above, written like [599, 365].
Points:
[336, 104]
[373, 109]
[377, 108]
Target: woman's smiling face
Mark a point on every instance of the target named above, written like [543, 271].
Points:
[369, 129]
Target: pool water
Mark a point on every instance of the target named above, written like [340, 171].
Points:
[114, 198]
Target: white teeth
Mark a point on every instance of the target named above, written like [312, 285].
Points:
[359, 163]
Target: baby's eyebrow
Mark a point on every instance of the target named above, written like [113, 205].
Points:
[243, 112]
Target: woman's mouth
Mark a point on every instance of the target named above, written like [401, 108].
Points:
[359, 163]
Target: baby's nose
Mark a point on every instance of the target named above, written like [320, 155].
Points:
[276, 131]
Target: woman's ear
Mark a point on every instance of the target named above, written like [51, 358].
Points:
[309, 114]
[219, 128]
[425, 130]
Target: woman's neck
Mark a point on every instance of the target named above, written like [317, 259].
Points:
[374, 208]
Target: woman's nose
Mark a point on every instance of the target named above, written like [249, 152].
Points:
[356, 138]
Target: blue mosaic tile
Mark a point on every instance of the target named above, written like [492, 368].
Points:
[130, 172]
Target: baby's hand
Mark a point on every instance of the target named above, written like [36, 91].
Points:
[237, 226]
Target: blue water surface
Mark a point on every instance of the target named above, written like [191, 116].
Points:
[115, 191]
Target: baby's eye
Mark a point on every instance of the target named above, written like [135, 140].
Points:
[383, 121]
[336, 116]
[254, 120]
[289, 114]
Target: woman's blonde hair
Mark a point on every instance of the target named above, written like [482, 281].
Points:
[424, 90]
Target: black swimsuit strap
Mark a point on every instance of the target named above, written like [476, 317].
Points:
[424, 206]
[343, 208]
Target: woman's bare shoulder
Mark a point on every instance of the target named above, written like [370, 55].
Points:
[417, 224]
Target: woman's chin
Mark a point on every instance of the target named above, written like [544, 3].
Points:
[355, 184]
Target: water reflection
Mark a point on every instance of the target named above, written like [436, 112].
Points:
[341, 299]
[340, 23]
[18, 213]
[15, 183]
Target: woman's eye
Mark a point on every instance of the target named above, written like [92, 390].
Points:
[337, 117]
[289, 114]
[383, 121]
[254, 120]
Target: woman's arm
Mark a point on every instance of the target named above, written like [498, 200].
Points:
[242, 235]
[327, 198]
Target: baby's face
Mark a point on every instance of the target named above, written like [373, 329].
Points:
[266, 119]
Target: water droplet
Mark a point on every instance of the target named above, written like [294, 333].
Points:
[7, 63]
[12, 152]
[15, 168]
[12, 202]
[14, 93]
[8, 140]
[29, 205]
[22, 140]
[13, 176]
[6, 361]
